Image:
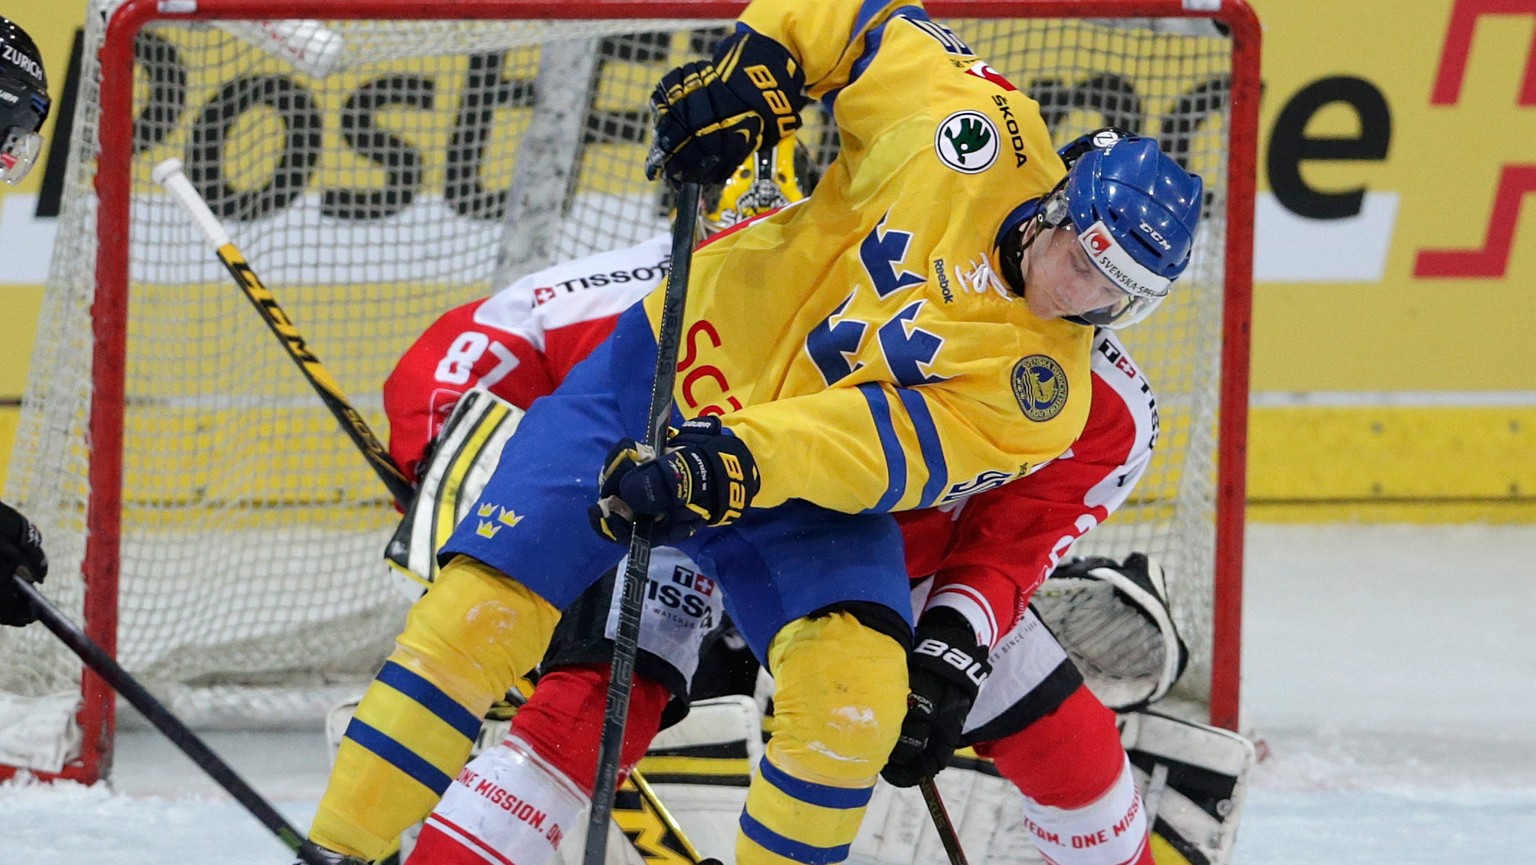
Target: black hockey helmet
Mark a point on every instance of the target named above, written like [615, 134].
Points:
[23, 101]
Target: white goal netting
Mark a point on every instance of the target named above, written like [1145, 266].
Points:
[430, 162]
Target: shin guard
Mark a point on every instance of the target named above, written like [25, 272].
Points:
[838, 708]
[465, 642]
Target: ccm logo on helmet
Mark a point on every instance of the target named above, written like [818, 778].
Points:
[1152, 233]
[972, 669]
[22, 61]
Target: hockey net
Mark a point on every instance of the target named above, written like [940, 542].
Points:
[204, 515]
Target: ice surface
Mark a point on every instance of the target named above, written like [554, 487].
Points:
[1390, 674]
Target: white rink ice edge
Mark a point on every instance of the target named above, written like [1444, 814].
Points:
[1390, 674]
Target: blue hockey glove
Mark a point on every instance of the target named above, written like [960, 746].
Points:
[707, 477]
[21, 553]
[712, 115]
[944, 674]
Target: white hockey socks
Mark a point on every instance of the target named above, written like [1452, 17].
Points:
[1111, 830]
[507, 806]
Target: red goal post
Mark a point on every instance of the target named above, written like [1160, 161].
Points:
[71, 468]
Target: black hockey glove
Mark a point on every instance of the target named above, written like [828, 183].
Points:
[712, 115]
[21, 553]
[944, 673]
[706, 477]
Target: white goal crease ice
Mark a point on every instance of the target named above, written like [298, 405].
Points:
[201, 508]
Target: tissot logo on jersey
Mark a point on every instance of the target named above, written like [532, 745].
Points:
[644, 273]
[685, 593]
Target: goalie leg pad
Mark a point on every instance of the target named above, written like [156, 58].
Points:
[838, 708]
[465, 642]
[506, 806]
[1196, 780]
[463, 459]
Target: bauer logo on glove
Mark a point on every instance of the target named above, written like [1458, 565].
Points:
[712, 115]
[706, 477]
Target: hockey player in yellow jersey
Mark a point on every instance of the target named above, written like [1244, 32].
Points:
[916, 331]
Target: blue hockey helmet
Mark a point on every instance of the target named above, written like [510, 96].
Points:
[1135, 211]
[23, 102]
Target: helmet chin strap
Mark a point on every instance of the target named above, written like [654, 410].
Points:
[1015, 244]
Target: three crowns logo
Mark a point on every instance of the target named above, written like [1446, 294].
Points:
[506, 517]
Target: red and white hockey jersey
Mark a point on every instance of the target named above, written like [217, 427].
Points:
[988, 552]
[519, 343]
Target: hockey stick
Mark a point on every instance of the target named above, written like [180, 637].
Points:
[169, 175]
[632, 582]
[124, 683]
[941, 822]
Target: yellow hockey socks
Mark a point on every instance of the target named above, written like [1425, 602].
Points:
[841, 696]
[465, 642]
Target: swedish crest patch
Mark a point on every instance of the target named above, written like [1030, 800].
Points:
[1040, 386]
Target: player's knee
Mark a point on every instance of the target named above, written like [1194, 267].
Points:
[475, 631]
[840, 698]
[1068, 758]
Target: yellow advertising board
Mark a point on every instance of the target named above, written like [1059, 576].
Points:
[1393, 353]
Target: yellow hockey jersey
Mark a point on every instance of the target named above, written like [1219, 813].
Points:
[861, 342]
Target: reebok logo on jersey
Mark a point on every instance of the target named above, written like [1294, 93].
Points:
[967, 142]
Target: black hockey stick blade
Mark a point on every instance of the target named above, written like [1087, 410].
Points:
[632, 582]
[124, 683]
[941, 822]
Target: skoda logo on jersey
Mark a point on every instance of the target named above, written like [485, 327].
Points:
[967, 142]
[1040, 386]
